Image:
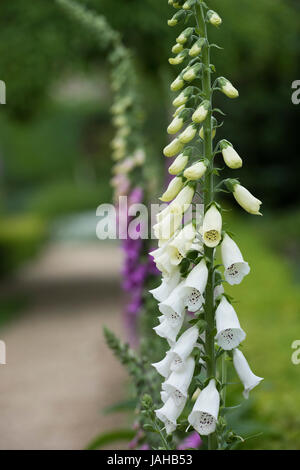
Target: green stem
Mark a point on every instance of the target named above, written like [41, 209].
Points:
[208, 198]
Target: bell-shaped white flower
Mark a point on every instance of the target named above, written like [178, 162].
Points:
[165, 229]
[235, 266]
[188, 134]
[227, 88]
[248, 379]
[183, 348]
[175, 125]
[184, 198]
[175, 185]
[196, 283]
[179, 164]
[212, 227]
[168, 329]
[197, 48]
[164, 396]
[218, 291]
[173, 148]
[231, 157]
[214, 18]
[173, 307]
[246, 200]
[204, 415]
[201, 112]
[168, 284]
[163, 367]
[195, 172]
[181, 243]
[162, 261]
[229, 332]
[169, 414]
[178, 383]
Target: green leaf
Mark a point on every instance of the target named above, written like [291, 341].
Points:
[110, 437]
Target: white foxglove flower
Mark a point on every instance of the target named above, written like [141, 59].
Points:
[184, 199]
[169, 414]
[188, 134]
[163, 367]
[175, 185]
[173, 307]
[227, 88]
[184, 36]
[196, 284]
[192, 72]
[231, 157]
[175, 125]
[212, 227]
[229, 332]
[182, 98]
[164, 229]
[246, 200]
[181, 244]
[244, 372]
[179, 164]
[204, 415]
[183, 347]
[164, 396]
[195, 172]
[214, 18]
[162, 261]
[178, 383]
[235, 266]
[173, 148]
[219, 290]
[201, 112]
[168, 284]
[168, 329]
[197, 47]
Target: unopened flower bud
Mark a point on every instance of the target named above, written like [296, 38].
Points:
[197, 47]
[192, 72]
[173, 148]
[179, 58]
[177, 84]
[188, 5]
[188, 134]
[175, 125]
[179, 164]
[231, 157]
[201, 112]
[227, 88]
[183, 97]
[195, 171]
[179, 16]
[214, 18]
[201, 133]
[177, 48]
[172, 190]
[185, 35]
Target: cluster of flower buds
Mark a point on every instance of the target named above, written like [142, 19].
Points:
[182, 247]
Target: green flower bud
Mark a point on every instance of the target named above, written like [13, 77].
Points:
[192, 72]
[188, 5]
[179, 16]
[227, 88]
[179, 58]
[177, 48]
[214, 18]
[197, 47]
[188, 134]
[185, 35]
[183, 97]
[201, 112]
[177, 84]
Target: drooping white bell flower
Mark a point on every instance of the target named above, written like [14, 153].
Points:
[204, 415]
[175, 185]
[246, 200]
[227, 88]
[179, 164]
[218, 290]
[248, 379]
[229, 332]
[178, 383]
[231, 157]
[168, 329]
[201, 112]
[196, 284]
[235, 266]
[169, 414]
[162, 260]
[163, 367]
[184, 198]
[167, 285]
[183, 348]
[181, 243]
[212, 227]
[164, 396]
[173, 307]
[166, 228]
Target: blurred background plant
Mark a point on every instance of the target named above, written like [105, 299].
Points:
[55, 163]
